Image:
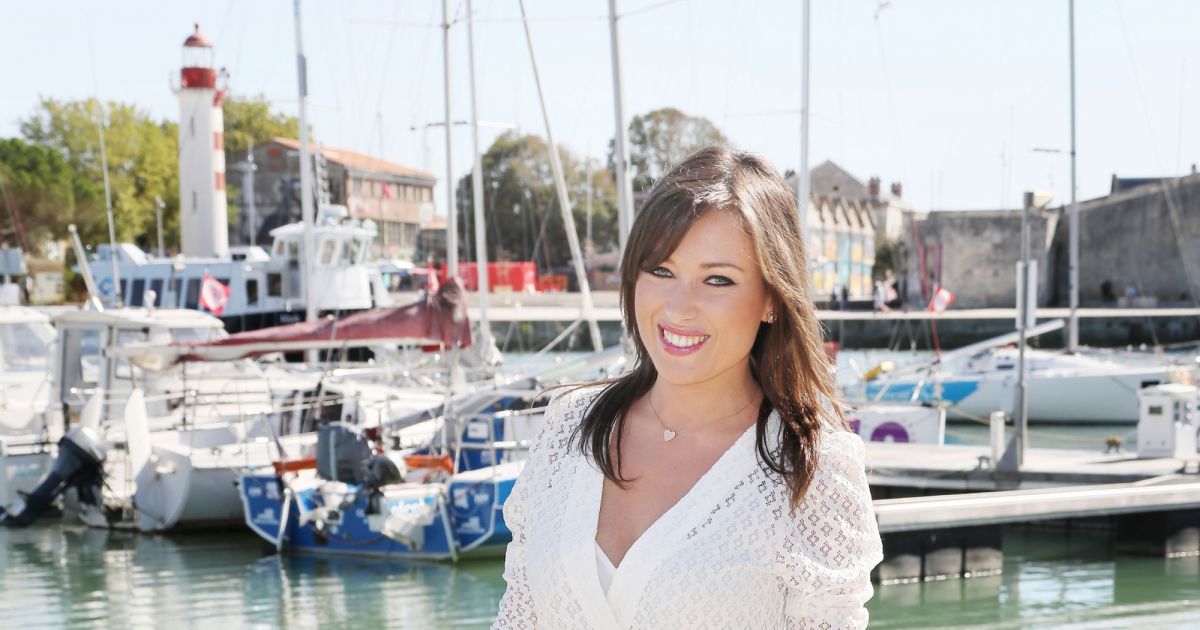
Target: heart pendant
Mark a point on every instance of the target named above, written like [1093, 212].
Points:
[668, 435]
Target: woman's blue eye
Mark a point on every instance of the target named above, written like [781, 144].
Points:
[720, 281]
[661, 272]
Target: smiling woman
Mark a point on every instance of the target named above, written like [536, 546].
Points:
[715, 484]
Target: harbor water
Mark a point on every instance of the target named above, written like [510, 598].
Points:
[56, 576]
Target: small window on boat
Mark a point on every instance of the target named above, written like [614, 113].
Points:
[176, 293]
[347, 252]
[293, 249]
[274, 285]
[328, 249]
[252, 291]
[125, 290]
[192, 300]
[156, 285]
[138, 293]
[1154, 410]
[280, 248]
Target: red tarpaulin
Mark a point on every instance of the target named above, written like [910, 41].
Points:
[439, 319]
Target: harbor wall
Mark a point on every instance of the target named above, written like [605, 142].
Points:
[974, 254]
[1135, 249]
[1147, 251]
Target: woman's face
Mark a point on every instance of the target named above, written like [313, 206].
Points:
[698, 312]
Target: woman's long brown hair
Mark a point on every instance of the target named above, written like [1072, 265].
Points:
[788, 357]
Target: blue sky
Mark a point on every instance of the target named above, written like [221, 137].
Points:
[949, 97]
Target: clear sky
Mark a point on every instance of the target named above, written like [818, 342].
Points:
[949, 97]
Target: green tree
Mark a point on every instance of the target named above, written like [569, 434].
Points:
[143, 163]
[522, 212]
[660, 138]
[40, 187]
[249, 121]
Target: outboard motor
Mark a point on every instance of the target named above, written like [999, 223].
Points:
[341, 452]
[79, 464]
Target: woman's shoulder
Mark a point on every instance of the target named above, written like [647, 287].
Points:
[574, 400]
[565, 412]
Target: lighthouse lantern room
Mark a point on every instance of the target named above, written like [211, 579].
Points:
[203, 225]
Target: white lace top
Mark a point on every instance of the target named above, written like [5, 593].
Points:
[729, 554]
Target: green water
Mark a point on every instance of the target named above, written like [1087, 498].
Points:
[55, 576]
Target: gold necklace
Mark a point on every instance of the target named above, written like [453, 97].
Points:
[669, 434]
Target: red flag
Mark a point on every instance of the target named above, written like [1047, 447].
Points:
[213, 295]
[941, 301]
[387, 191]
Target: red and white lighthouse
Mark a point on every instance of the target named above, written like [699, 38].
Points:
[203, 225]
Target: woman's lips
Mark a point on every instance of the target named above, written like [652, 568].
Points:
[680, 342]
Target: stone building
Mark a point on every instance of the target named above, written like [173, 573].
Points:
[399, 199]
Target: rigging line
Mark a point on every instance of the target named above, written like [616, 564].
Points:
[1189, 267]
[397, 23]
[784, 112]
[887, 87]
[415, 86]
[650, 7]
[383, 83]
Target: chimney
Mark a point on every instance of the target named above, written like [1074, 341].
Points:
[873, 188]
[897, 189]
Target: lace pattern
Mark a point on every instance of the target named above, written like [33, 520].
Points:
[733, 556]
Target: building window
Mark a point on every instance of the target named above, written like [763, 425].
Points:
[274, 285]
[138, 294]
[156, 285]
[328, 249]
[192, 299]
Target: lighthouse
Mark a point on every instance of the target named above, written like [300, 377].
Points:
[203, 228]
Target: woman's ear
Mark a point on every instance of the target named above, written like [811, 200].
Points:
[768, 314]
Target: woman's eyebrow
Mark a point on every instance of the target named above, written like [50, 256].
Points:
[710, 265]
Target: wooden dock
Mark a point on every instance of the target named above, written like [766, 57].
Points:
[964, 468]
[941, 509]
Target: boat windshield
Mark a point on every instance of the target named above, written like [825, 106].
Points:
[25, 346]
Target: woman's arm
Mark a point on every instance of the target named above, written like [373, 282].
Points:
[516, 606]
[832, 542]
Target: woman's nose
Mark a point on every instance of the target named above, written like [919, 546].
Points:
[681, 302]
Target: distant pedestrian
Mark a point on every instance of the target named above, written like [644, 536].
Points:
[880, 298]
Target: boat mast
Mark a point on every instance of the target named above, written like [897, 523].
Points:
[306, 187]
[564, 203]
[1073, 236]
[112, 230]
[481, 257]
[621, 148]
[451, 210]
[802, 178]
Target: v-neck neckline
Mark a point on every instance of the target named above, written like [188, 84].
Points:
[696, 488]
[630, 576]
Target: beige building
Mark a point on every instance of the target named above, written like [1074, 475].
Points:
[399, 199]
